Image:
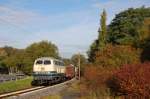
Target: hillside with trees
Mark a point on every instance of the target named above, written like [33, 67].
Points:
[119, 57]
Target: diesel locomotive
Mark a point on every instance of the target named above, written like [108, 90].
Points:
[48, 70]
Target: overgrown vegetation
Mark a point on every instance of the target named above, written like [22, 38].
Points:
[117, 69]
[114, 56]
[132, 81]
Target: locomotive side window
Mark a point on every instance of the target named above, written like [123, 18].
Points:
[62, 64]
[39, 62]
[58, 63]
[47, 62]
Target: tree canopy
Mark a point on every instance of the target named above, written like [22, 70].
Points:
[126, 26]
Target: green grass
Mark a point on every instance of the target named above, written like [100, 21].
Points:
[15, 85]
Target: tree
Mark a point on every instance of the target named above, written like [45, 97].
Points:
[42, 49]
[75, 59]
[124, 28]
[102, 31]
[100, 43]
[14, 61]
[9, 50]
[66, 61]
[36, 50]
[144, 31]
[17, 60]
[3, 55]
[92, 52]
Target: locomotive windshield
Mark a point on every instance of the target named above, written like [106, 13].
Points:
[47, 62]
[39, 62]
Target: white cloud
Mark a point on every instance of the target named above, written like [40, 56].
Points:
[18, 17]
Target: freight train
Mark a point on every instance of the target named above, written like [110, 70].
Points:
[48, 70]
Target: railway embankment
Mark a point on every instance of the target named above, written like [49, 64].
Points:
[71, 91]
[43, 92]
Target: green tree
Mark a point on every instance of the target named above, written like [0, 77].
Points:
[92, 51]
[100, 43]
[124, 28]
[42, 49]
[66, 61]
[36, 50]
[3, 55]
[102, 31]
[9, 50]
[14, 61]
[75, 59]
[17, 60]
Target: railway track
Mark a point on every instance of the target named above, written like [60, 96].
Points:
[35, 92]
[20, 92]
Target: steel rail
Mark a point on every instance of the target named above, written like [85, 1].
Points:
[20, 92]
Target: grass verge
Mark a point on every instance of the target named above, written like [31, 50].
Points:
[15, 85]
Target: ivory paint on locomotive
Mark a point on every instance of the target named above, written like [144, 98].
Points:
[48, 70]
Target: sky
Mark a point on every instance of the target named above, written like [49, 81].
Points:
[71, 25]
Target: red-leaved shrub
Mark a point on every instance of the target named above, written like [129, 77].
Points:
[133, 81]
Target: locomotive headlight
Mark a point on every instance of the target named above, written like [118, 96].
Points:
[49, 72]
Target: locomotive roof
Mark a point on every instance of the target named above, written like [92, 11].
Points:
[44, 58]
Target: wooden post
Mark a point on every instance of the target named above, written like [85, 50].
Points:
[79, 65]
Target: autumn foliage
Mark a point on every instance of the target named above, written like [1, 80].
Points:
[96, 76]
[133, 81]
[117, 55]
[118, 63]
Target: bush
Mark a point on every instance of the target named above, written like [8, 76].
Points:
[132, 81]
[117, 55]
[95, 78]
